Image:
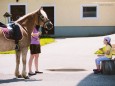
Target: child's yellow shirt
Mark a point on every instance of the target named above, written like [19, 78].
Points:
[108, 48]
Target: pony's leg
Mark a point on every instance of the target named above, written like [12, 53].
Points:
[17, 74]
[24, 55]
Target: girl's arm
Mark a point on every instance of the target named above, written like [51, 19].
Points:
[107, 52]
[36, 34]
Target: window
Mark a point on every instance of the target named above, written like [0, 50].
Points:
[89, 11]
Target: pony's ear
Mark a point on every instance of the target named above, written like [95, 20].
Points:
[40, 10]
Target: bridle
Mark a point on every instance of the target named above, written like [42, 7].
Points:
[45, 22]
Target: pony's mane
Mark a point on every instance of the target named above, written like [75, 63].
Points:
[27, 15]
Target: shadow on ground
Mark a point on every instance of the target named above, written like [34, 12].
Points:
[16, 80]
[66, 70]
[98, 80]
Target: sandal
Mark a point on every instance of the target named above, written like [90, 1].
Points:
[38, 72]
[30, 74]
[97, 71]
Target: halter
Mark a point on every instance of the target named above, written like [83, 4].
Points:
[45, 22]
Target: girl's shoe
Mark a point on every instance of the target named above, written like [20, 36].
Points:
[38, 72]
[97, 71]
[31, 74]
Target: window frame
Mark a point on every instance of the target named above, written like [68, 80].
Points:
[89, 5]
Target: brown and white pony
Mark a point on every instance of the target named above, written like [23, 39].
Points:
[26, 24]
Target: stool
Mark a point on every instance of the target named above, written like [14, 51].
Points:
[108, 67]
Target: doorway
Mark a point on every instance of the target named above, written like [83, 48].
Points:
[17, 11]
[50, 13]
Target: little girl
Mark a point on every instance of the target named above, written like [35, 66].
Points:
[107, 54]
[35, 50]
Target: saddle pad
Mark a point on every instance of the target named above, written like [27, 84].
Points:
[9, 34]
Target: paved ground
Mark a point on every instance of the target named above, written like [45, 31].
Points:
[67, 62]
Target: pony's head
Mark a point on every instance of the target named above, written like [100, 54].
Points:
[43, 19]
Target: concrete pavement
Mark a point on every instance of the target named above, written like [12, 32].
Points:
[67, 62]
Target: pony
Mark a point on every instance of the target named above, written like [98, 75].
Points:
[26, 25]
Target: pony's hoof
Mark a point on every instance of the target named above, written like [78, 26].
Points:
[27, 77]
[19, 76]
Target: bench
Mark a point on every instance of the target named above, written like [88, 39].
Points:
[108, 67]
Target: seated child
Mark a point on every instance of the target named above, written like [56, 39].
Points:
[107, 54]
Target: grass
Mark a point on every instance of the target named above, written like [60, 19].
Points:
[43, 41]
